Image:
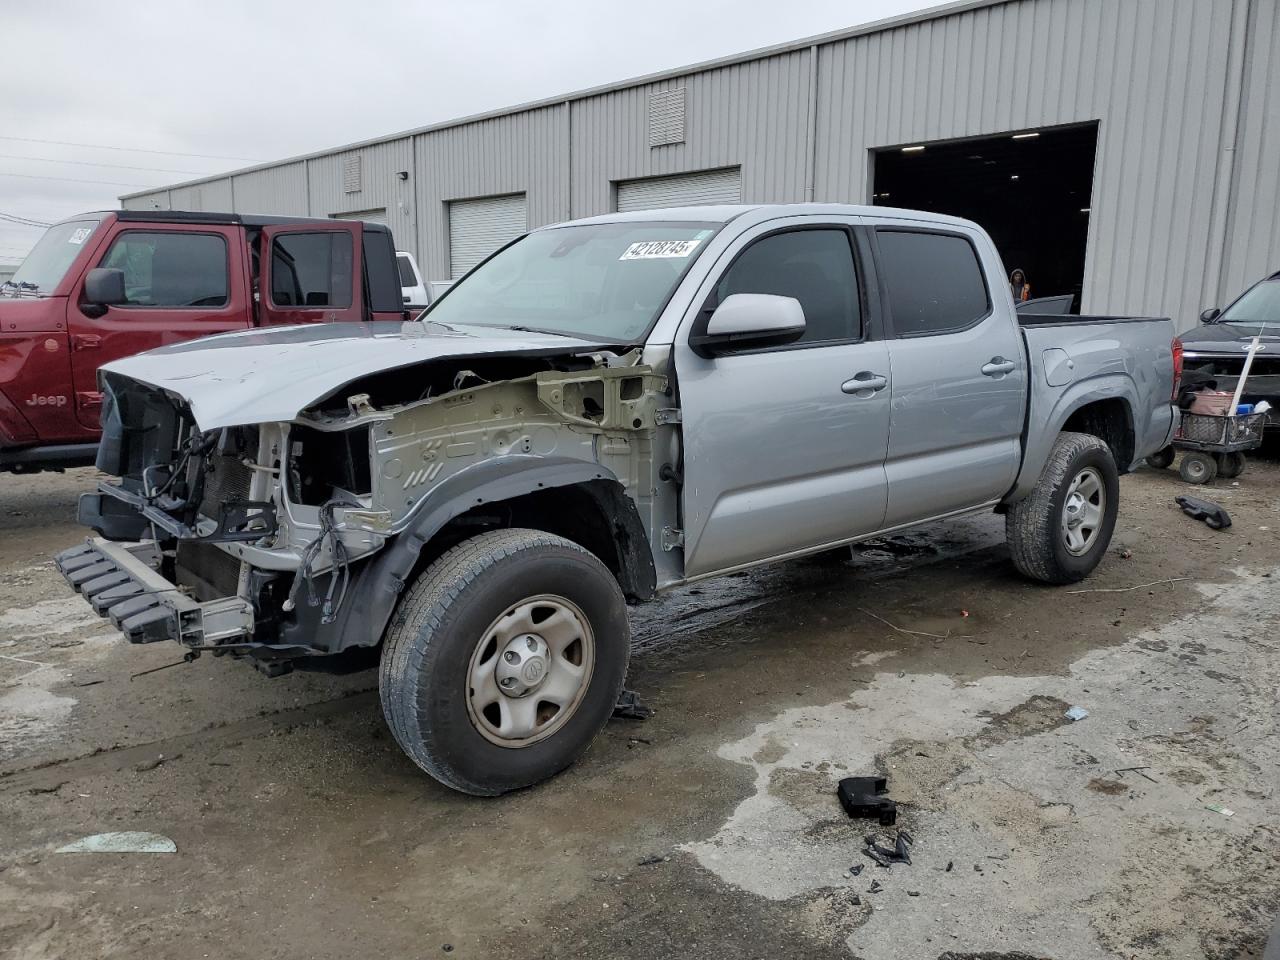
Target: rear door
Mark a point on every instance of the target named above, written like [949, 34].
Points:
[783, 452]
[311, 273]
[959, 371]
[182, 282]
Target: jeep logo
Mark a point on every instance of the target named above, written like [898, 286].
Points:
[39, 401]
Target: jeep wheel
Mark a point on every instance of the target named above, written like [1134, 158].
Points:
[504, 660]
[1061, 531]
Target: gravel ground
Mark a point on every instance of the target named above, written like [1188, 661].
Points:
[711, 830]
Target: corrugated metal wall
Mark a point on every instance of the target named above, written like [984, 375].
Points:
[1185, 197]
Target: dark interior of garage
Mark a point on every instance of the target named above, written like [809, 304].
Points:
[1029, 189]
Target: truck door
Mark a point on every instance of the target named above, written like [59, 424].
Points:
[310, 273]
[959, 372]
[181, 281]
[784, 446]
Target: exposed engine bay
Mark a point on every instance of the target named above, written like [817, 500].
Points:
[282, 519]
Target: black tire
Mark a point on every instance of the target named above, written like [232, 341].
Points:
[1034, 525]
[1196, 467]
[1161, 459]
[1230, 465]
[424, 674]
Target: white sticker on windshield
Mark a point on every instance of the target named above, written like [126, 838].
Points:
[659, 249]
[79, 236]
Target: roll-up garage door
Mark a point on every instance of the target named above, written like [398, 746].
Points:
[369, 216]
[683, 190]
[479, 227]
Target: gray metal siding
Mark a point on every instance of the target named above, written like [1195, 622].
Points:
[523, 153]
[1151, 71]
[1253, 224]
[752, 115]
[1184, 200]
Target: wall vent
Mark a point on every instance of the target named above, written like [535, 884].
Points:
[666, 117]
[351, 174]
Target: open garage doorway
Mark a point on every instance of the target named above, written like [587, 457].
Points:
[1029, 189]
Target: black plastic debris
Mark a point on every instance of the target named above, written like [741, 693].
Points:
[855, 869]
[631, 707]
[875, 887]
[1213, 515]
[886, 856]
[863, 797]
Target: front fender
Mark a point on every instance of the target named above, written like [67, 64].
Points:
[376, 586]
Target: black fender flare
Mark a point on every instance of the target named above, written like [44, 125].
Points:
[376, 586]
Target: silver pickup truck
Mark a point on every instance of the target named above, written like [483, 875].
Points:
[601, 411]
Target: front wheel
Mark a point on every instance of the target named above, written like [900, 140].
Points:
[1061, 531]
[504, 660]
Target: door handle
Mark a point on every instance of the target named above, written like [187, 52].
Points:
[998, 367]
[865, 383]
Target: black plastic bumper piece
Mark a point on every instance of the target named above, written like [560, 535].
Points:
[863, 797]
[114, 594]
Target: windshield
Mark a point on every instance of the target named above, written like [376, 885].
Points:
[1257, 306]
[49, 259]
[604, 281]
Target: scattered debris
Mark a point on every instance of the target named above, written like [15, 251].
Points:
[1121, 771]
[1126, 554]
[875, 887]
[58, 645]
[1076, 713]
[1136, 586]
[1219, 808]
[885, 857]
[651, 860]
[914, 633]
[146, 765]
[863, 797]
[856, 869]
[950, 864]
[53, 789]
[130, 841]
[631, 707]
[632, 741]
[1214, 517]
[86, 683]
[913, 893]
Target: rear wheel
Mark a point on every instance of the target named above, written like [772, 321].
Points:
[1161, 459]
[1196, 467]
[1061, 531]
[1230, 465]
[504, 660]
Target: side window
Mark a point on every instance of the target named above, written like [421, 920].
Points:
[935, 282]
[171, 269]
[311, 269]
[813, 266]
[407, 279]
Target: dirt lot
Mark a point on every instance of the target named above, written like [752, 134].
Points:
[711, 830]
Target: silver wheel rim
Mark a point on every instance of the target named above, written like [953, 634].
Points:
[1082, 511]
[529, 671]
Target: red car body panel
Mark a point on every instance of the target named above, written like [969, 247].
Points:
[52, 345]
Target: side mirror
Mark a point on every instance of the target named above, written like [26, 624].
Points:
[104, 287]
[1210, 315]
[747, 320]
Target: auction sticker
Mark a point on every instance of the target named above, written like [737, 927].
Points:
[659, 249]
[79, 236]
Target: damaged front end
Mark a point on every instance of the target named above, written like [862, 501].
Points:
[272, 540]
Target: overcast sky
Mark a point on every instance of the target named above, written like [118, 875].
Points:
[240, 81]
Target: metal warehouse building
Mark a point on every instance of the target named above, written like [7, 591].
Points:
[1124, 150]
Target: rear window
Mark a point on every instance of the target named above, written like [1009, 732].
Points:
[407, 279]
[380, 272]
[311, 269]
[935, 282]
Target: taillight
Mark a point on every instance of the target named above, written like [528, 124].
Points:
[1177, 368]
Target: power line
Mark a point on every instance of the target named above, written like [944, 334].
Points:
[23, 221]
[90, 163]
[100, 146]
[105, 183]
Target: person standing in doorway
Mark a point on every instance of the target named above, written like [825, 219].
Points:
[1018, 284]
